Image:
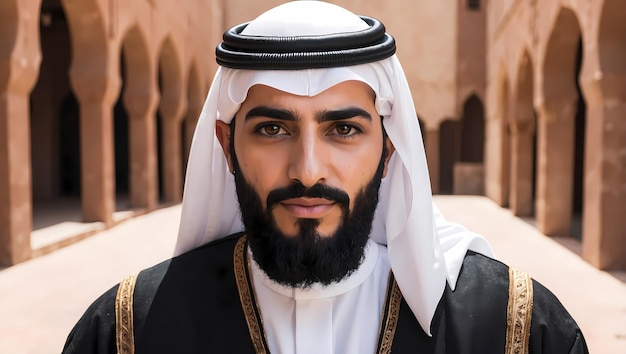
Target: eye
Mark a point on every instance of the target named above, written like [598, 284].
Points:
[345, 130]
[271, 130]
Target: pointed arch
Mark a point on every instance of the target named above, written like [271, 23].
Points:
[560, 57]
[560, 128]
[473, 130]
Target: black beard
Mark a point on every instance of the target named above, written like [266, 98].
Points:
[307, 258]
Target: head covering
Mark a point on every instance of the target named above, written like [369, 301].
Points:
[425, 250]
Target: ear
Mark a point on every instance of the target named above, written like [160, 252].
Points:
[222, 131]
[388, 152]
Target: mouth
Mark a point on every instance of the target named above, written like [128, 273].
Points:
[307, 208]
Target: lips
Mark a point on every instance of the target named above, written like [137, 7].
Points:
[308, 208]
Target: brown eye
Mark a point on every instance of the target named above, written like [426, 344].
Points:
[271, 130]
[344, 129]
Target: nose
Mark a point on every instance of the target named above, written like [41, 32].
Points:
[308, 160]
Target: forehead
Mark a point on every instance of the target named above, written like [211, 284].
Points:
[343, 94]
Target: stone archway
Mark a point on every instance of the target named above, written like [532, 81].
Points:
[473, 130]
[468, 170]
[523, 140]
[55, 157]
[171, 108]
[604, 226]
[139, 101]
[557, 127]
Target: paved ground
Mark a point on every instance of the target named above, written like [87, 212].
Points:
[40, 300]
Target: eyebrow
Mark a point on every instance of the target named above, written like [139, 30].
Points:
[324, 116]
[269, 112]
[345, 113]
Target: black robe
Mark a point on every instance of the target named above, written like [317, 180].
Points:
[190, 304]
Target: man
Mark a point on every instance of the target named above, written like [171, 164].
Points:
[308, 154]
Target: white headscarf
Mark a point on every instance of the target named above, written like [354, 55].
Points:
[424, 249]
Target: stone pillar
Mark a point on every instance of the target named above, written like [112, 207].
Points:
[97, 157]
[144, 187]
[172, 161]
[555, 167]
[191, 120]
[172, 170]
[497, 166]
[521, 194]
[15, 177]
[431, 144]
[19, 66]
[604, 214]
[94, 76]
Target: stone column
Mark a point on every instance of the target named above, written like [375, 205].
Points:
[172, 170]
[497, 166]
[191, 120]
[94, 76]
[19, 66]
[431, 145]
[15, 177]
[521, 196]
[97, 157]
[555, 166]
[144, 187]
[604, 214]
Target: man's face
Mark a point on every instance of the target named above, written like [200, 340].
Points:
[308, 162]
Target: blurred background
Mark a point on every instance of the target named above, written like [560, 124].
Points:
[522, 102]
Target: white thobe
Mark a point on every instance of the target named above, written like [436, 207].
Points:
[342, 317]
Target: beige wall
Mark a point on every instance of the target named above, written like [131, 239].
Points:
[536, 42]
[471, 54]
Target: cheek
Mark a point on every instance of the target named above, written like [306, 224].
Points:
[355, 170]
[261, 170]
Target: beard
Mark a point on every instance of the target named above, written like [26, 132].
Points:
[308, 257]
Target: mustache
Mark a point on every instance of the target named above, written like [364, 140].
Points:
[298, 190]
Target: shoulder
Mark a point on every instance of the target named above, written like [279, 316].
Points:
[553, 330]
[483, 274]
[481, 292]
[95, 330]
[214, 254]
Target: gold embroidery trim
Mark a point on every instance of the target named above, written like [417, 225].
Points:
[519, 312]
[124, 328]
[393, 312]
[248, 306]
